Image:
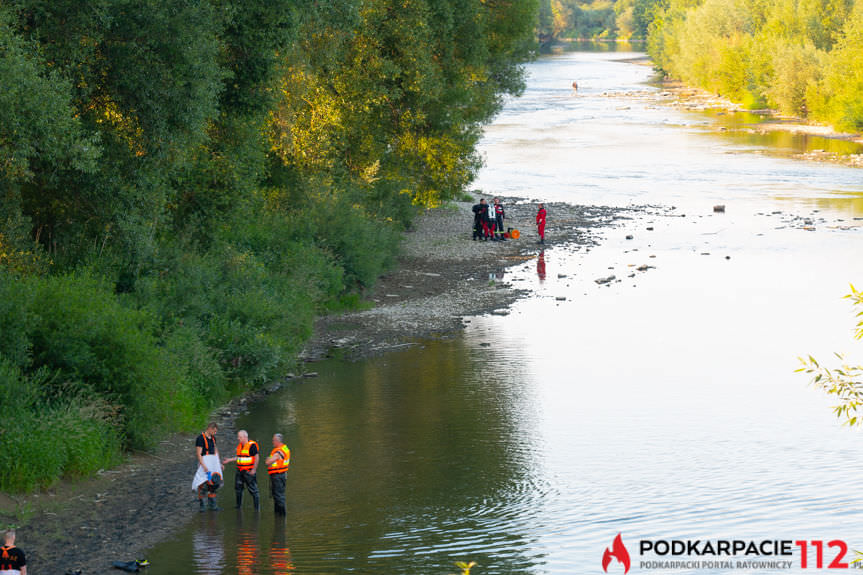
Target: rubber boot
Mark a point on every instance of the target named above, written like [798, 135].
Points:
[213, 506]
[257, 502]
[239, 499]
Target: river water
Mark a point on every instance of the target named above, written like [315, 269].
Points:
[663, 406]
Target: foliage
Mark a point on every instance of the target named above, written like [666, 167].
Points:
[79, 434]
[185, 184]
[588, 19]
[802, 57]
[845, 381]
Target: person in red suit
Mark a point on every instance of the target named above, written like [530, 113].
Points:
[540, 223]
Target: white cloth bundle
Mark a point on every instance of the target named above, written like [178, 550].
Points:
[213, 464]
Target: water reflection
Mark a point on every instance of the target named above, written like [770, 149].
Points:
[208, 549]
[280, 554]
[848, 202]
[766, 132]
[540, 265]
[247, 544]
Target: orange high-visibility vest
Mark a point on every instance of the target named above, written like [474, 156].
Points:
[280, 465]
[245, 462]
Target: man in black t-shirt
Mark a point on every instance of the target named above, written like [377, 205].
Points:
[12, 560]
[205, 444]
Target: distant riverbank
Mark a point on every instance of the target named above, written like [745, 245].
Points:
[732, 117]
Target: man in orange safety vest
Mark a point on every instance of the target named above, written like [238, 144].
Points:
[247, 465]
[277, 466]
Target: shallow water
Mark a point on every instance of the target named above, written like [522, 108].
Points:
[663, 406]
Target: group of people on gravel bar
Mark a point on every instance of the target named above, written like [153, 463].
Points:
[488, 222]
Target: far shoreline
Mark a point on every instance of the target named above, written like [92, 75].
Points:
[692, 98]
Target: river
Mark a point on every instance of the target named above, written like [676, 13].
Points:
[663, 406]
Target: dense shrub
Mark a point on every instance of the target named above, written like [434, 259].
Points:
[801, 58]
[185, 184]
[43, 439]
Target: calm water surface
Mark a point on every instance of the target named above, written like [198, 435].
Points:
[661, 406]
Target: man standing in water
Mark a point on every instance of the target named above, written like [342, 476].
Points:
[12, 560]
[540, 223]
[205, 445]
[247, 465]
[277, 466]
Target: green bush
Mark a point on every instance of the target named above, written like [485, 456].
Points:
[802, 58]
[362, 246]
[94, 346]
[42, 440]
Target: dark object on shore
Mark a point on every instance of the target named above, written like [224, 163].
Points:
[629, 237]
[128, 566]
[719, 209]
[650, 229]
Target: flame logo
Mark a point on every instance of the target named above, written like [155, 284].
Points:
[619, 552]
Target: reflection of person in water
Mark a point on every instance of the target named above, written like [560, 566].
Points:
[280, 555]
[208, 551]
[247, 547]
[540, 265]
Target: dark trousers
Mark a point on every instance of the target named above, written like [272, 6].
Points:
[242, 480]
[498, 225]
[277, 490]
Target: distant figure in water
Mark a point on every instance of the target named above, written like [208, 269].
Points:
[575, 85]
[540, 223]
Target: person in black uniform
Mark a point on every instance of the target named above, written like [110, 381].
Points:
[477, 221]
[205, 444]
[12, 559]
[498, 220]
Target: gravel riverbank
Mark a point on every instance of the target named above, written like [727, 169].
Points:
[443, 276]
